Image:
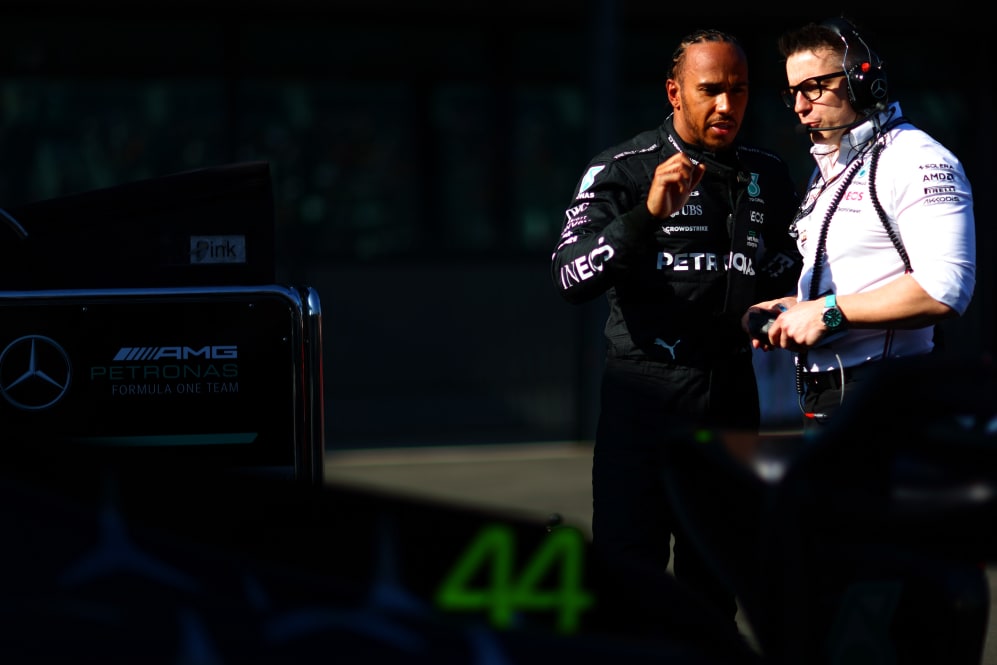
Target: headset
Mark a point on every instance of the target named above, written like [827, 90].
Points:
[867, 89]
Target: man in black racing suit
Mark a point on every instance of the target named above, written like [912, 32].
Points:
[683, 229]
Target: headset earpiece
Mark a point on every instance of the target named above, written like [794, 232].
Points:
[867, 89]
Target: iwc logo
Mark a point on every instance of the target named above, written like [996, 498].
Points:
[34, 372]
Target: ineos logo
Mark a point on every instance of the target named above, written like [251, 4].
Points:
[34, 372]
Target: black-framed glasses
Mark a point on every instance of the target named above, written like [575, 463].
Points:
[811, 89]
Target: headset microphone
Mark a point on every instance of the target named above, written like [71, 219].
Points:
[803, 129]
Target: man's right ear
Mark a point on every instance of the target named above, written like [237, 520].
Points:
[672, 90]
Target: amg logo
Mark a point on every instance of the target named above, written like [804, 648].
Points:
[218, 249]
[132, 353]
[938, 190]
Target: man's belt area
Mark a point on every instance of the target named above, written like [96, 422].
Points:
[698, 349]
[832, 379]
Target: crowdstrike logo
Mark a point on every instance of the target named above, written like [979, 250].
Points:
[34, 373]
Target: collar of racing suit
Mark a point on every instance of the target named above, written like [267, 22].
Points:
[724, 162]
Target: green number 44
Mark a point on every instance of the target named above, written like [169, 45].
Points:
[484, 578]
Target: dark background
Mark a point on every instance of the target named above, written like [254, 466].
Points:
[422, 155]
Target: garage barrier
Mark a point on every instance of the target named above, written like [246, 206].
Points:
[142, 323]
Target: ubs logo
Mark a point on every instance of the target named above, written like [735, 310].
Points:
[34, 373]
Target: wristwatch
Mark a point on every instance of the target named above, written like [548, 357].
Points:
[832, 317]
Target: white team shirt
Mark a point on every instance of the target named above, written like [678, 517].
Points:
[928, 202]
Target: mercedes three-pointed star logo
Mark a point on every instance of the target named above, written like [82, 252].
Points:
[878, 88]
[34, 372]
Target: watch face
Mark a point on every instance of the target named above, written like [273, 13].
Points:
[833, 318]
